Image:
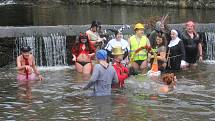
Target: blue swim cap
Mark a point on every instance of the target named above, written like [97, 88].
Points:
[101, 54]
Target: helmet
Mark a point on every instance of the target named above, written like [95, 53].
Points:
[139, 26]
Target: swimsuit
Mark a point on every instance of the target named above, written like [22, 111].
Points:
[83, 51]
[139, 62]
[82, 63]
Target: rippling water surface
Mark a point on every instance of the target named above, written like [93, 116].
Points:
[59, 97]
[45, 14]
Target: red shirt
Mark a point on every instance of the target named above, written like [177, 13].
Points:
[122, 73]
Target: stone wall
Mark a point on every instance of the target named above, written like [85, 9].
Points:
[162, 3]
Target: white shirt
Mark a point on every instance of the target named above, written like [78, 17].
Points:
[113, 43]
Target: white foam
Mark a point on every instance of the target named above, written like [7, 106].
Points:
[55, 68]
[209, 61]
[9, 2]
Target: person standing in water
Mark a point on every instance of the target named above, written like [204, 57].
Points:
[121, 70]
[175, 53]
[103, 76]
[138, 41]
[27, 70]
[192, 44]
[93, 34]
[160, 50]
[83, 52]
[118, 41]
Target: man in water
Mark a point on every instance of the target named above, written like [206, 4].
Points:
[103, 76]
[27, 70]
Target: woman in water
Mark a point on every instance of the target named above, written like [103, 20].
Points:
[83, 52]
[160, 49]
[175, 52]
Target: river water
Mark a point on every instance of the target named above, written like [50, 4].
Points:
[57, 14]
[60, 95]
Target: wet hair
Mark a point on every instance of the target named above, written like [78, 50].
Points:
[169, 78]
[163, 39]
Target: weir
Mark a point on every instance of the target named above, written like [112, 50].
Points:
[51, 45]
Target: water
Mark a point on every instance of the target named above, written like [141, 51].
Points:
[59, 97]
[57, 14]
[7, 2]
[48, 50]
[210, 37]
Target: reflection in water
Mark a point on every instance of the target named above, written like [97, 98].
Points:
[56, 14]
[60, 97]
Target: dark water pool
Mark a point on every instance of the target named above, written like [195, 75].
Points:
[57, 14]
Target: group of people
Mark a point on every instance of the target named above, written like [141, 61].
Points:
[122, 58]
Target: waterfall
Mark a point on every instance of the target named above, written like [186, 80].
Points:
[210, 39]
[7, 2]
[47, 50]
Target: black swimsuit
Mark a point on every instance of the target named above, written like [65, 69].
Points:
[82, 63]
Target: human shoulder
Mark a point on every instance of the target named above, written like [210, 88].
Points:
[124, 41]
[131, 37]
[88, 31]
[112, 41]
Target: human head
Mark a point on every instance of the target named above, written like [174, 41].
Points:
[159, 26]
[139, 29]
[190, 26]
[83, 38]
[25, 51]
[174, 34]
[117, 33]
[118, 53]
[101, 55]
[95, 25]
[169, 78]
[160, 40]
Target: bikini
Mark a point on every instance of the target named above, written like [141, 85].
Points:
[82, 63]
[139, 62]
[83, 52]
